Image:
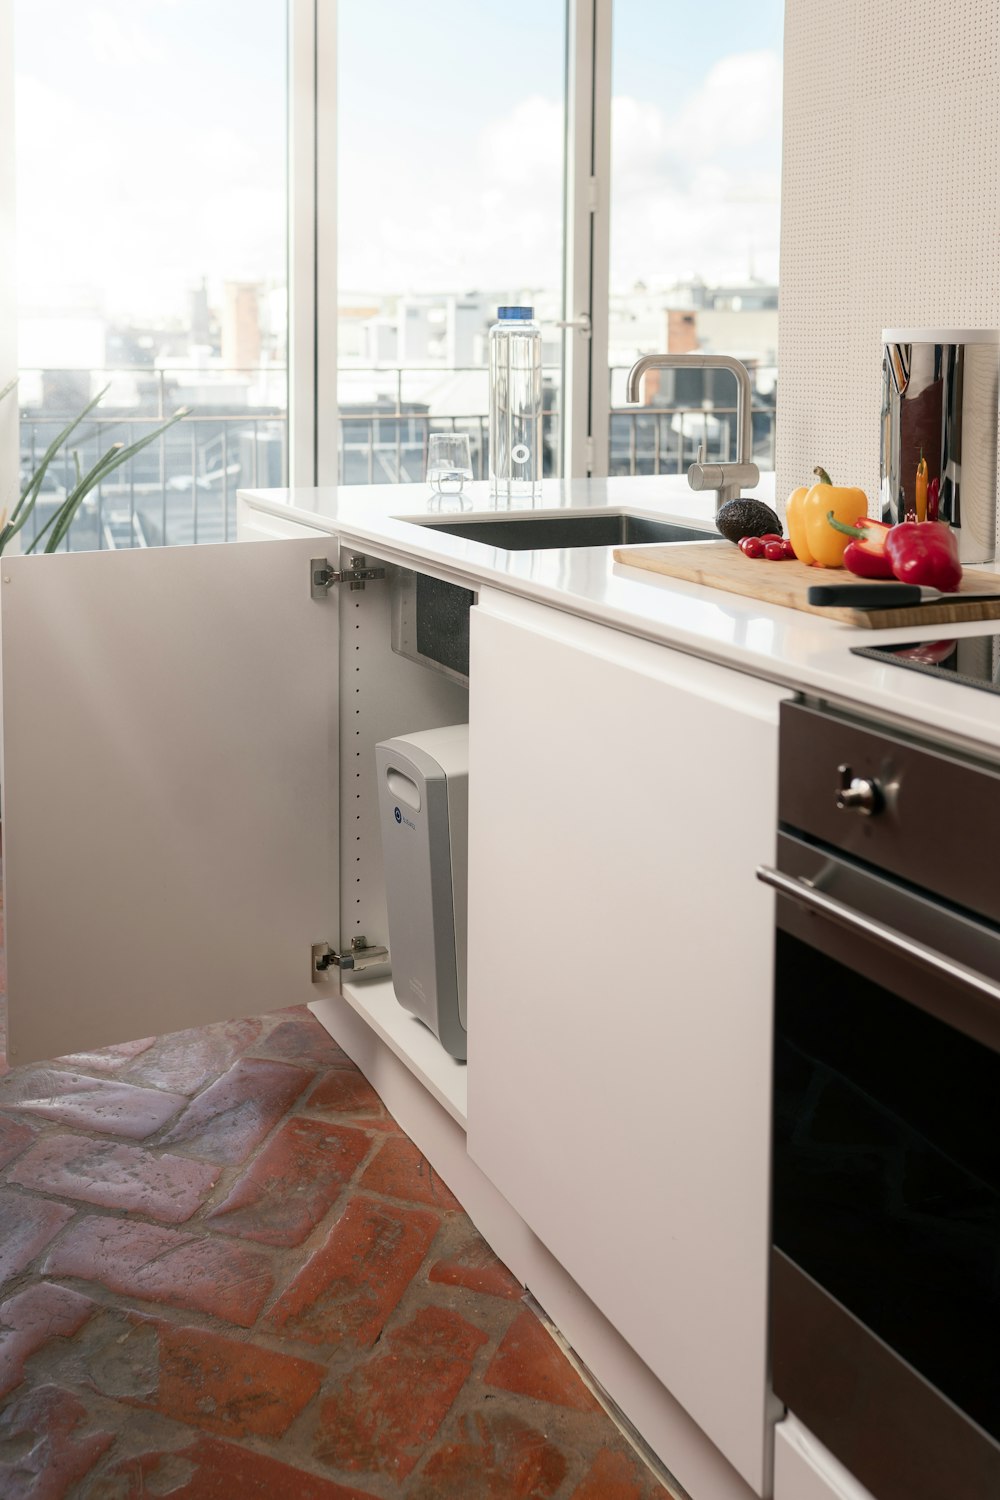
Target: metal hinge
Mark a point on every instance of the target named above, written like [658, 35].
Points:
[588, 454]
[592, 195]
[323, 575]
[362, 955]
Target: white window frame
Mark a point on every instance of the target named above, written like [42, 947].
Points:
[9, 439]
[312, 242]
[312, 250]
[587, 220]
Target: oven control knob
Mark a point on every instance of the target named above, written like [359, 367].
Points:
[858, 794]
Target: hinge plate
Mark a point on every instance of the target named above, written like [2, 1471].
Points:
[323, 575]
[362, 955]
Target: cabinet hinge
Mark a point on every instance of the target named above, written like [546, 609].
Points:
[361, 956]
[592, 195]
[588, 454]
[323, 575]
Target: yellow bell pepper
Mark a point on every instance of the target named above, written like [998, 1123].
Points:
[847, 503]
[795, 523]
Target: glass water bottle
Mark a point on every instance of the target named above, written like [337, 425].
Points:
[515, 404]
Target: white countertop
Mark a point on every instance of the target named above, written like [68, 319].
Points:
[787, 646]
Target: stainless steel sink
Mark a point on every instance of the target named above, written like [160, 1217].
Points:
[526, 533]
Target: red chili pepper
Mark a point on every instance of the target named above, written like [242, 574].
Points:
[933, 499]
[925, 552]
[865, 556]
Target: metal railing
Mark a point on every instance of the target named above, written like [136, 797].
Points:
[182, 489]
[179, 490]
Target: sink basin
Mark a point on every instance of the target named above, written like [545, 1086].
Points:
[526, 533]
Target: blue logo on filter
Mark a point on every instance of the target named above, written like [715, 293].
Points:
[402, 818]
[398, 815]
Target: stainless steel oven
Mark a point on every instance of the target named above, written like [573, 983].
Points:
[885, 1324]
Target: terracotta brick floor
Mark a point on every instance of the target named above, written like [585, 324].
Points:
[224, 1271]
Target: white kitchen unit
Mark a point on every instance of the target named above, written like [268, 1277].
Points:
[191, 832]
[804, 1470]
[621, 981]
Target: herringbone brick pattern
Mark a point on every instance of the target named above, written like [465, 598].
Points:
[224, 1271]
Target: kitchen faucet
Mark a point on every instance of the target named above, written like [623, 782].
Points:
[727, 479]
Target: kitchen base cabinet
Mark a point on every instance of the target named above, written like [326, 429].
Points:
[189, 784]
[190, 807]
[620, 987]
[804, 1470]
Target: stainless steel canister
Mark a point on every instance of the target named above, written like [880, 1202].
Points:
[940, 403]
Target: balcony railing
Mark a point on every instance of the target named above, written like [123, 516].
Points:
[182, 488]
[179, 490]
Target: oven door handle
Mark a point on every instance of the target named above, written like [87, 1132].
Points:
[806, 895]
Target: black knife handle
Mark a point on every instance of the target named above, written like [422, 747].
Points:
[864, 595]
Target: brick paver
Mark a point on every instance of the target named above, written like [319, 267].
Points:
[292, 1183]
[209, 1469]
[496, 1457]
[47, 1444]
[401, 1171]
[26, 1227]
[104, 1105]
[238, 1110]
[530, 1362]
[345, 1292]
[172, 1266]
[28, 1321]
[163, 1187]
[382, 1418]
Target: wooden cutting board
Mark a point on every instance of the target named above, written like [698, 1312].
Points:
[720, 565]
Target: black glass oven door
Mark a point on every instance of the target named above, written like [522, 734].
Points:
[886, 1188]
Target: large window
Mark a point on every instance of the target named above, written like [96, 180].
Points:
[695, 203]
[451, 126]
[152, 227]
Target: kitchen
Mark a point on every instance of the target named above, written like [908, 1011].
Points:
[672, 661]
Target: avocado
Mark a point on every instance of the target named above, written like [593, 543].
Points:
[742, 517]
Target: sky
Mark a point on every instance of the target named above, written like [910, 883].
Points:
[151, 143]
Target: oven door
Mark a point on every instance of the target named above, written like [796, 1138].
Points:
[886, 1185]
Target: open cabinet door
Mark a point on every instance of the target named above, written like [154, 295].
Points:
[170, 843]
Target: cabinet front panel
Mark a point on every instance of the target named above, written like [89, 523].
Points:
[620, 988]
[170, 789]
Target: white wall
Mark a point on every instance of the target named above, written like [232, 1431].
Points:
[890, 208]
[8, 309]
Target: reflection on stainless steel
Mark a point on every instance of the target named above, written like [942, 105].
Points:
[940, 393]
[726, 479]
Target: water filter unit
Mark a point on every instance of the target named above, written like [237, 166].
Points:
[423, 795]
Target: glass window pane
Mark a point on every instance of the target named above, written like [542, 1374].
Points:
[152, 228]
[450, 171]
[695, 213]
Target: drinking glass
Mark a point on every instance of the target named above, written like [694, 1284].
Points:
[449, 461]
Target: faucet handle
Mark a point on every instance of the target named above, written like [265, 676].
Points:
[702, 452]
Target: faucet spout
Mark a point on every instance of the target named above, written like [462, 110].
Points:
[727, 478]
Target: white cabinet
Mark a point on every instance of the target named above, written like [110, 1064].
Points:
[620, 987]
[189, 783]
[804, 1470]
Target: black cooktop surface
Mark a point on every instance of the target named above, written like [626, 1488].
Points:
[972, 660]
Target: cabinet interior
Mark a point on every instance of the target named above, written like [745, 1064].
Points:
[384, 694]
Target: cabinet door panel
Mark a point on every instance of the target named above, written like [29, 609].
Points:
[620, 987]
[804, 1470]
[170, 789]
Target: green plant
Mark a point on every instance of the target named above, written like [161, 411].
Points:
[55, 529]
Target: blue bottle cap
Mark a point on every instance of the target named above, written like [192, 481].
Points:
[505, 313]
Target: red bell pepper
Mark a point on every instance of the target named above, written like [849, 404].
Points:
[925, 552]
[865, 556]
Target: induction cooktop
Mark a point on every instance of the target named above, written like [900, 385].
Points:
[971, 660]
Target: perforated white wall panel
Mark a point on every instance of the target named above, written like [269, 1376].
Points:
[890, 208]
